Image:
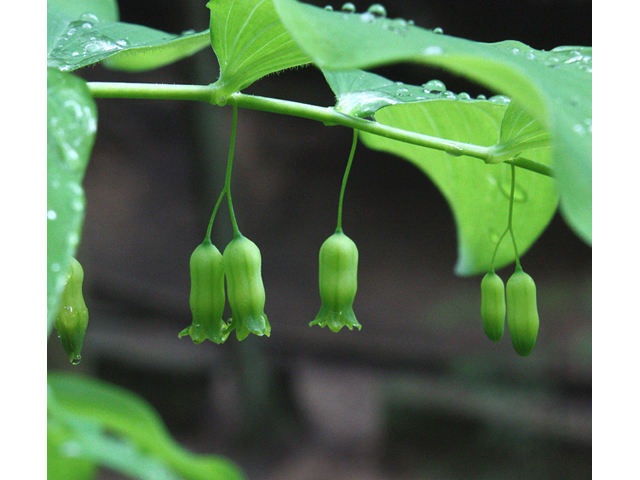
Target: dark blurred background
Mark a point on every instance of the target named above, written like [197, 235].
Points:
[420, 392]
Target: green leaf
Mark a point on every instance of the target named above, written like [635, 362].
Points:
[361, 93]
[139, 431]
[553, 86]
[71, 129]
[105, 10]
[519, 132]
[250, 42]
[477, 193]
[78, 41]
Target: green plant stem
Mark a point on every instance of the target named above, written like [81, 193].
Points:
[509, 228]
[327, 115]
[227, 178]
[344, 179]
[213, 216]
[510, 222]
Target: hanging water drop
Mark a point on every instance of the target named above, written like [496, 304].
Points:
[76, 360]
[348, 7]
[377, 10]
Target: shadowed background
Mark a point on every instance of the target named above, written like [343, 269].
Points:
[420, 392]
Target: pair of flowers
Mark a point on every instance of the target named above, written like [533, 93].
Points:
[241, 265]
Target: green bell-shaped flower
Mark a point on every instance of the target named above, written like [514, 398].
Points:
[338, 283]
[207, 295]
[522, 312]
[245, 290]
[73, 317]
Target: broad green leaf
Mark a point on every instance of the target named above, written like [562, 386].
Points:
[477, 193]
[132, 420]
[250, 43]
[78, 41]
[519, 132]
[553, 86]
[71, 129]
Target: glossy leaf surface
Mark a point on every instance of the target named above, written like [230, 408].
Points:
[250, 42]
[71, 129]
[553, 86]
[477, 193]
[82, 34]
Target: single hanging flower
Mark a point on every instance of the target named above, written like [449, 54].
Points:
[338, 283]
[245, 290]
[522, 312]
[73, 317]
[207, 295]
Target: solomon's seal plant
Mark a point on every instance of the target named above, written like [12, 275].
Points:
[522, 311]
[242, 265]
[538, 124]
[207, 298]
[73, 317]
[339, 270]
[492, 307]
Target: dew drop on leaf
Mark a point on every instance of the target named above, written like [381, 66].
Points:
[501, 99]
[367, 17]
[434, 86]
[438, 30]
[89, 17]
[52, 215]
[348, 7]
[328, 8]
[377, 10]
[433, 50]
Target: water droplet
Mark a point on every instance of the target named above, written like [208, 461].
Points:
[454, 150]
[438, 30]
[515, 51]
[348, 7]
[403, 92]
[433, 50]
[89, 17]
[377, 10]
[464, 96]
[87, 25]
[367, 17]
[328, 8]
[122, 43]
[434, 86]
[52, 215]
[449, 94]
[482, 97]
[502, 99]
[76, 360]
[55, 267]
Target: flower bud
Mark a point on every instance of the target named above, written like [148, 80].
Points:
[245, 290]
[73, 317]
[338, 283]
[492, 307]
[522, 312]
[207, 295]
